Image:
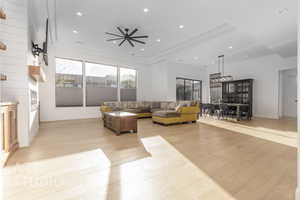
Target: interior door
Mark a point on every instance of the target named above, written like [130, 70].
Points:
[289, 93]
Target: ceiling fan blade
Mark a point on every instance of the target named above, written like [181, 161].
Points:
[122, 42]
[121, 30]
[133, 32]
[138, 41]
[115, 39]
[130, 42]
[113, 34]
[143, 36]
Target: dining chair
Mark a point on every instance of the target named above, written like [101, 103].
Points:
[222, 111]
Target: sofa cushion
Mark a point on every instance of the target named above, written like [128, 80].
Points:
[132, 104]
[155, 105]
[172, 106]
[132, 110]
[184, 103]
[166, 113]
[145, 109]
[105, 109]
[178, 107]
[123, 105]
[115, 106]
[144, 106]
[164, 105]
[194, 103]
[155, 109]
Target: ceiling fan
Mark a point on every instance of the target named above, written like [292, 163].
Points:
[126, 36]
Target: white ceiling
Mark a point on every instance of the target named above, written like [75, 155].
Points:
[252, 27]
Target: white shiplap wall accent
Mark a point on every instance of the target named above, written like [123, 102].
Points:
[13, 62]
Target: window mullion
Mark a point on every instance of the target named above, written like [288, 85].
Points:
[118, 83]
[84, 83]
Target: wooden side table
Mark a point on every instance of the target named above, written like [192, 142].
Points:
[120, 122]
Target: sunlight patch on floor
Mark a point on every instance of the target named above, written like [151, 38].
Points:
[279, 136]
[67, 174]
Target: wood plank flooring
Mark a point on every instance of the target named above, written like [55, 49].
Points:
[208, 160]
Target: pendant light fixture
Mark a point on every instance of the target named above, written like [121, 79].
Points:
[221, 69]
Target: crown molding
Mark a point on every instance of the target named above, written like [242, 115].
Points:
[213, 33]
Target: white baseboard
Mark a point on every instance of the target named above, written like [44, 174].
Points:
[265, 116]
[297, 195]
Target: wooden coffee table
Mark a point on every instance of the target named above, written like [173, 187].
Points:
[120, 122]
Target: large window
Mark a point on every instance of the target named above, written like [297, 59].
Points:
[127, 84]
[179, 89]
[101, 84]
[197, 90]
[69, 82]
[188, 89]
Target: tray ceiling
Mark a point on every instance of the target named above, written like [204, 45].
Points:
[211, 27]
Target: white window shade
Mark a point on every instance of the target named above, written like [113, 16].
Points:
[68, 84]
[127, 84]
[101, 84]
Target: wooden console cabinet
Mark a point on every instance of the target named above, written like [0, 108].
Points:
[8, 131]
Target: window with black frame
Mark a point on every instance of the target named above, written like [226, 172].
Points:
[188, 89]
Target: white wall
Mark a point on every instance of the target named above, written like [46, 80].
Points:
[49, 112]
[32, 84]
[265, 72]
[159, 83]
[164, 78]
[14, 32]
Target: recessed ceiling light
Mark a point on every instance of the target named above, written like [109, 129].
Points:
[142, 49]
[157, 40]
[196, 58]
[75, 32]
[283, 11]
[115, 42]
[146, 10]
[79, 14]
[79, 42]
[181, 26]
[230, 47]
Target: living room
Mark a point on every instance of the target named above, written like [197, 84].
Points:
[135, 102]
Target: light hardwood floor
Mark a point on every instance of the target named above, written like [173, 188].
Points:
[208, 160]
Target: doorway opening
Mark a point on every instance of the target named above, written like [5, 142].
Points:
[288, 94]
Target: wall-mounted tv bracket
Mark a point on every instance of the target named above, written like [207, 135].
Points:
[36, 50]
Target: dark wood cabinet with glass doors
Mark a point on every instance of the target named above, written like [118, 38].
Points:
[238, 92]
